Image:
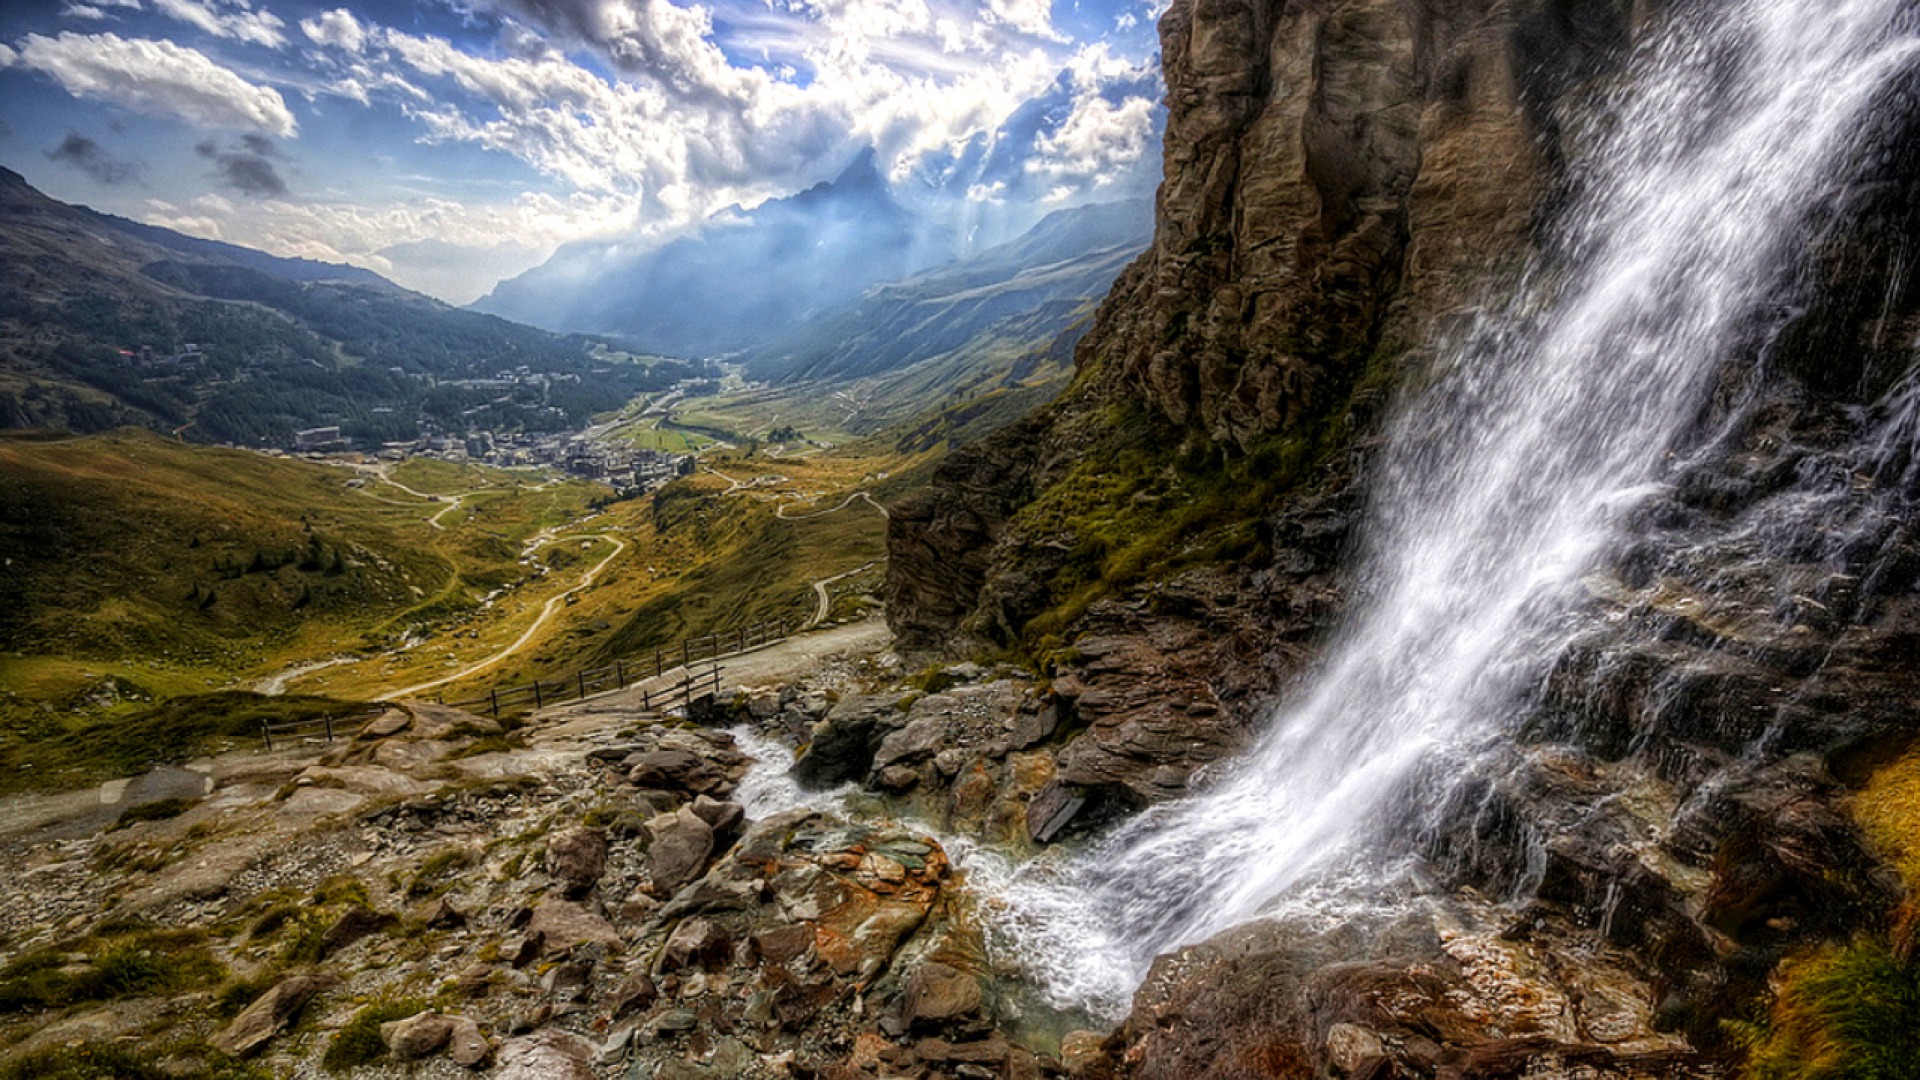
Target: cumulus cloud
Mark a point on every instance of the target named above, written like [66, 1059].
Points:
[686, 131]
[337, 28]
[246, 166]
[7, 55]
[157, 78]
[92, 159]
[1097, 142]
[476, 242]
[227, 20]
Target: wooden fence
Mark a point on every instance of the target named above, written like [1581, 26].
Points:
[325, 726]
[509, 700]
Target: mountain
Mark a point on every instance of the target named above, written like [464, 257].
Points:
[738, 279]
[1013, 298]
[105, 321]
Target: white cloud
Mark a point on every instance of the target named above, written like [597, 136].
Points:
[82, 11]
[157, 78]
[7, 56]
[227, 19]
[337, 28]
[688, 133]
[1029, 16]
[1097, 142]
[478, 242]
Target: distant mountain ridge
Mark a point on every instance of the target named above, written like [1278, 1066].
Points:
[1013, 297]
[737, 280]
[97, 314]
[21, 202]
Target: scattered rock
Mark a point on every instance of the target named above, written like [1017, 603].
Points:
[560, 925]
[548, 1054]
[577, 858]
[268, 1016]
[417, 1036]
[682, 842]
[466, 1045]
[937, 994]
[352, 925]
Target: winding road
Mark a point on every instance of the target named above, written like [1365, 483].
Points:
[546, 614]
[781, 510]
[826, 600]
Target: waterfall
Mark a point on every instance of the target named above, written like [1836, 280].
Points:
[1501, 486]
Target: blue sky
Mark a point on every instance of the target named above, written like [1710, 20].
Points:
[448, 144]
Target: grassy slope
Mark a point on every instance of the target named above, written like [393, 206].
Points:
[141, 569]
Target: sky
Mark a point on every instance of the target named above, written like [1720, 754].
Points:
[450, 143]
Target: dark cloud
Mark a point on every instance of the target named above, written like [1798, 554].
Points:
[89, 157]
[246, 166]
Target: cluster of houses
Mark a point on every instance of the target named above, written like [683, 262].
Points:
[188, 359]
[625, 469]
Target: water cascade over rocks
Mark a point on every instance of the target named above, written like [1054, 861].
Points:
[1502, 485]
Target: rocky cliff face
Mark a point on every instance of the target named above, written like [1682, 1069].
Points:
[1344, 182]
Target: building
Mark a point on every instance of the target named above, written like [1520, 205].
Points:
[319, 438]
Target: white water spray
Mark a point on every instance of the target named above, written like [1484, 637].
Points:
[1500, 488]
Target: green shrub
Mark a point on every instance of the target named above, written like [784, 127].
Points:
[359, 1042]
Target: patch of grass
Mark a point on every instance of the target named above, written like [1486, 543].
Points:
[88, 1061]
[435, 868]
[341, 889]
[159, 810]
[118, 964]
[235, 996]
[1846, 1012]
[173, 731]
[359, 1042]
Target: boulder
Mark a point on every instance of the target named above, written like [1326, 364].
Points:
[672, 770]
[722, 817]
[916, 742]
[559, 925]
[466, 1045]
[353, 924]
[577, 858]
[682, 843]
[937, 994]
[547, 1054]
[267, 1016]
[417, 1036]
[842, 746]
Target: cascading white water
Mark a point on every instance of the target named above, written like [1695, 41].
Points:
[1498, 488]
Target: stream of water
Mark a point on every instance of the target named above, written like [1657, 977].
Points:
[1502, 485]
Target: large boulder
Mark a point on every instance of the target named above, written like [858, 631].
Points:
[681, 843]
[269, 1015]
[577, 858]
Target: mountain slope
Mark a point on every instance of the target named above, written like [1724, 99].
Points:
[97, 313]
[1018, 295]
[737, 280]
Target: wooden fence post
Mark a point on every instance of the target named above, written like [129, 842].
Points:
[620, 673]
[537, 704]
[266, 732]
[583, 683]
